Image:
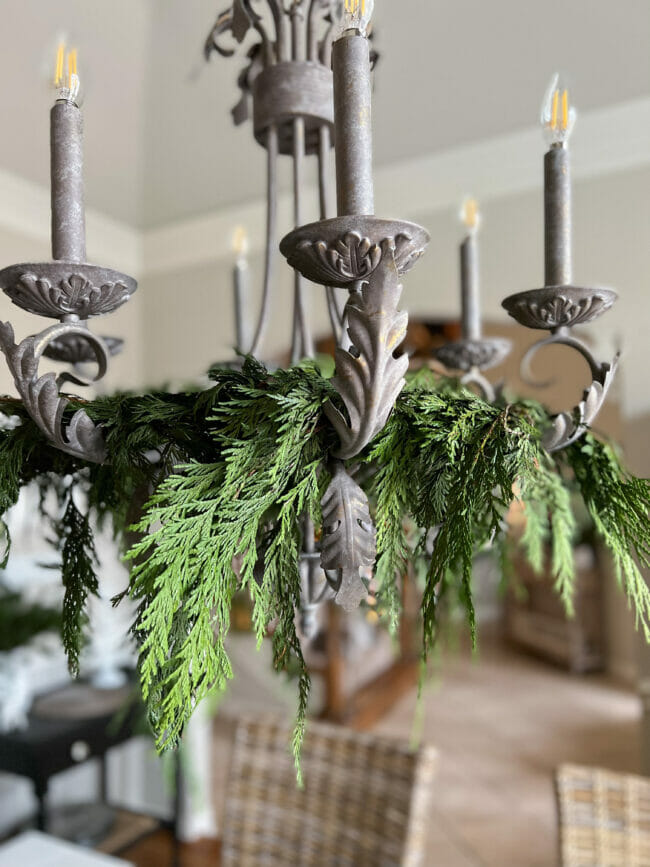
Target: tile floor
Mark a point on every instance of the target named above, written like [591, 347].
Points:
[502, 723]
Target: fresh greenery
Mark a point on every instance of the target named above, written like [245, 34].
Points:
[217, 484]
[20, 621]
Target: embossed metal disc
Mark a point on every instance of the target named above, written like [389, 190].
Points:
[56, 289]
[559, 306]
[343, 250]
[467, 354]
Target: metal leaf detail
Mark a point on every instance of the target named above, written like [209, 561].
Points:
[74, 295]
[368, 376]
[41, 398]
[351, 257]
[348, 537]
[568, 427]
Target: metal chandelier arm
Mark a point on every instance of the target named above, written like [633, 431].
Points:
[79, 437]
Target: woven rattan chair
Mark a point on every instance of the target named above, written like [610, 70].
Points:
[364, 802]
[604, 818]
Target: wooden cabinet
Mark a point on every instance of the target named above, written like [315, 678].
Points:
[536, 620]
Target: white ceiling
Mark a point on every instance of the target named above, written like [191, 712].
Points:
[159, 140]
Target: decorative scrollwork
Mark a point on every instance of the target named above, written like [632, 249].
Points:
[79, 437]
[344, 250]
[75, 348]
[567, 427]
[350, 258]
[368, 376]
[559, 306]
[349, 539]
[75, 295]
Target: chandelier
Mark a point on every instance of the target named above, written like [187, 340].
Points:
[289, 484]
[307, 85]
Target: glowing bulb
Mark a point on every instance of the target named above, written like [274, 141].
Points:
[558, 116]
[470, 216]
[66, 79]
[356, 15]
[240, 242]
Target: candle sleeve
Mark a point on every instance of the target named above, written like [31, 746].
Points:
[66, 173]
[353, 124]
[469, 288]
[557, 217]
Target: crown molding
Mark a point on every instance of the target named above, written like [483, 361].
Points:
[609, 140]
[25, 210]
[605, 141]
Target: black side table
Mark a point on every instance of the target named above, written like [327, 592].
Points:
[50, 745]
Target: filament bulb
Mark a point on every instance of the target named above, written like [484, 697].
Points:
[470, 216]
[240, 242]
[558, 116]
[356, 15]
[66, 79]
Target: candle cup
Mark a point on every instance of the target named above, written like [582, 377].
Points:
[557, 216]
[353, 124]
[469, 287]
[66, 153]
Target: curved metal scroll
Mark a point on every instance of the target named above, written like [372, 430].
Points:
[567, 427]
[80, 436]
[482, 383]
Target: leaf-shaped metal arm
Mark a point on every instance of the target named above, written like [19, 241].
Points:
[368, 376]
[79, 437]
[568, 427]
[348, 542]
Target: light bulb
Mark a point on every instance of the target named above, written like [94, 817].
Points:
[558, 116]
[470, 216]
[356, 15]
[240, 242]
[66, 79]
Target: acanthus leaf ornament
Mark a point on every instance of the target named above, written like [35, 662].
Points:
[368, 375]
[349, 539]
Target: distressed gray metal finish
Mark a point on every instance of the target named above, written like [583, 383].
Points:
[79, 437]
[469, 289]
[71, 292]
[63, 289]
[559, 306]
[368, 376]
[557, 216]
[349, 542]
[72, 348]
[344, 250]
[558, 309]
[567, 427]
[292, 90]
[66, 155]
[467, 354]
[352, 111]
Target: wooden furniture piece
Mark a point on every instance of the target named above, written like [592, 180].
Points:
[604, 818]
[365, 800]
[365, 705]
[535, 617]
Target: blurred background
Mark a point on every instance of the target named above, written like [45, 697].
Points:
[169, 178]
